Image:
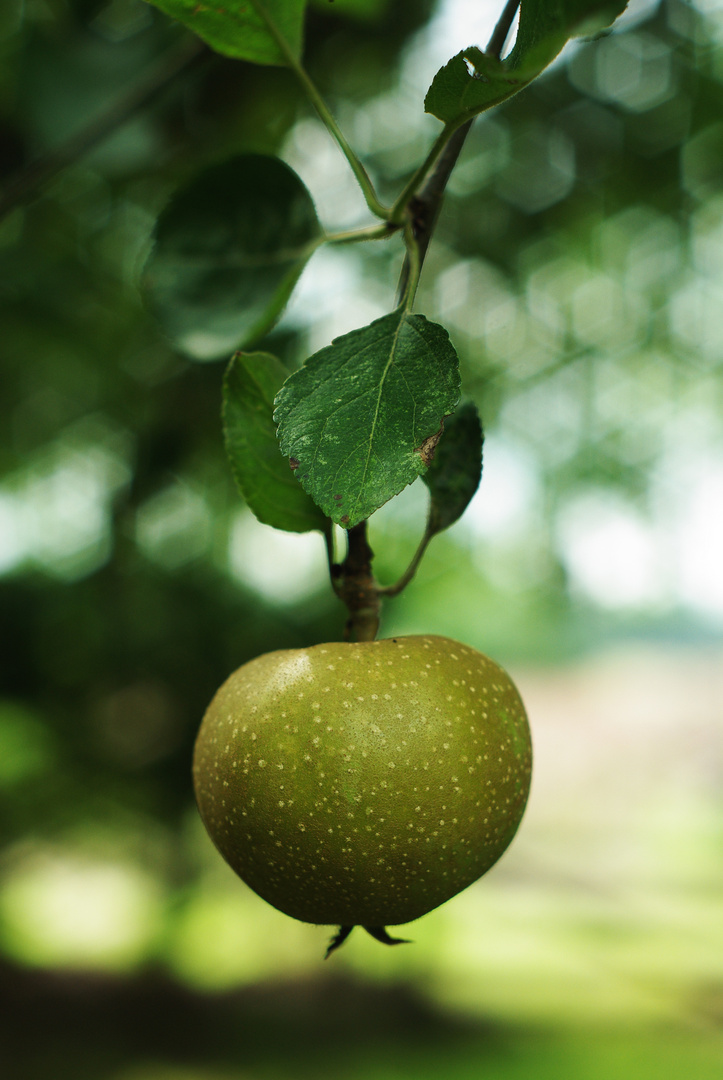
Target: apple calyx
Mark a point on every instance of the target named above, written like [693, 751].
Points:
[379, 933]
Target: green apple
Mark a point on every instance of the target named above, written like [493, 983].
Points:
[364, 784]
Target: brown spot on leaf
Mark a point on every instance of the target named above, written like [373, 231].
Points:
[344, 520]
[293, 463]
[429, 445]
[337, 498]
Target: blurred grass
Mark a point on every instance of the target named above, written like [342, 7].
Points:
[146, 1028]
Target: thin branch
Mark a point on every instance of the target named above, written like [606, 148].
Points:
[501, 32]
[434, 158]
[26, 183]
[426, 205]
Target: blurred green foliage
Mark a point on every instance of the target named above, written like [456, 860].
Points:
[578, 267]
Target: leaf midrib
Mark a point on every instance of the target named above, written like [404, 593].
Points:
[390, 361]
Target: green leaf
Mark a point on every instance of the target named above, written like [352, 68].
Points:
[362, 416]
[228, 251]
[455, 471]
[473, 81]
[244, 29]
[262, 474]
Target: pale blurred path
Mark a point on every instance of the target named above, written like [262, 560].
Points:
[610, 901]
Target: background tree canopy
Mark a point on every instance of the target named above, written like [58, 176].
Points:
[578, 265]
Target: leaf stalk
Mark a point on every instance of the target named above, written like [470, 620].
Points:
[369, 232]
[409, 281]
[325, 114]
[395, 589]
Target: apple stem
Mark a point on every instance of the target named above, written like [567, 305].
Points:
[355, 585]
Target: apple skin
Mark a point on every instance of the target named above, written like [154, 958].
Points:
[364, 784]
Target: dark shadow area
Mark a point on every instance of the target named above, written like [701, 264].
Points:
[83, 1026]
